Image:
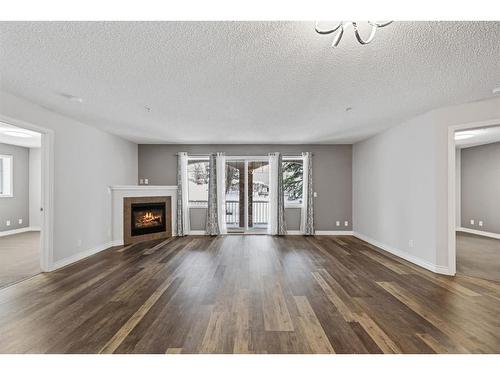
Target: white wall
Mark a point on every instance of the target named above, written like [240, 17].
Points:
[400, 183]
[87, 162]
[394, 195]
[35, 187]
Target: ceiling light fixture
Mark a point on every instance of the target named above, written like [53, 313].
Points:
[14, 133]
[344, 25]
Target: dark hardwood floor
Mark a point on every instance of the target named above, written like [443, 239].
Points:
[478, 256]
[249, 294]
[19, 257]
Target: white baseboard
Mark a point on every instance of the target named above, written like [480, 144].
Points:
[333, 233]
[18, 230]
[404, 255]
[197, 233]
[81, 255]
[479, 232]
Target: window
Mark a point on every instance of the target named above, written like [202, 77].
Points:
[198, 174]
[292, 181]
[5, 175]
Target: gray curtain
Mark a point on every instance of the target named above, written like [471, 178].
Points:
[181, 159]
[281, 225]
[212, 227]
[308, 195]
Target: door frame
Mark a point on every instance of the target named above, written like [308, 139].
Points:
[452, 246]
[47, 189]
[246, 160]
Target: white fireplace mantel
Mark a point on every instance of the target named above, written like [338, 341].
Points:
[118, 192]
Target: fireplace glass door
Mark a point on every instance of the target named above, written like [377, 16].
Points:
[147, 218]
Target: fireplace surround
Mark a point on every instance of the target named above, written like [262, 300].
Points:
[146, 218]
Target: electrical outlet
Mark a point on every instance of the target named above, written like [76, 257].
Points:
[410, 244]
[337, 223]
[315, 195]
[7, 223]
[480, 223]
[141, 181]
[20, 221]
[146, 181]
[346, 223]
[471, 221]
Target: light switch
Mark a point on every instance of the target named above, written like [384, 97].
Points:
[20, 221]
[471, 221]
[346, 223]
[337, 223]
[146, 181]
[480, 223]
[7, 223]
[141, 181]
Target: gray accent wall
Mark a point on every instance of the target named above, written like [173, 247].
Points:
[480, 187]
[332, 177]
[16, 207]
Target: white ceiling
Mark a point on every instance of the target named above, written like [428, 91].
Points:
[30, 139]
[246, 82]
[479, 137]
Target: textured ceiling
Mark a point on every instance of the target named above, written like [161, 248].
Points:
[246, 82]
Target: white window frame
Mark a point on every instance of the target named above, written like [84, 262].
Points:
[295, 158]
[8, 178]
[196, 158]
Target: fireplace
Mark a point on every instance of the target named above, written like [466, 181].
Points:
[146, 218]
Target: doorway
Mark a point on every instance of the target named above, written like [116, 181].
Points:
[27, 249]
[475, 156]
[247, 195]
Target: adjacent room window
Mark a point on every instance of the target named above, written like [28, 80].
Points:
[292, 181]
[198, 174]
[6, 176]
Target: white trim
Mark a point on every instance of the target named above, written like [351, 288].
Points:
[197, 233]
[452, 250]
[143, 187]
[404, 255]
[205, 206]
[294, 233]
[47, 201]
[479, 232]
[18, 230]
[81, 255]
[334, 233]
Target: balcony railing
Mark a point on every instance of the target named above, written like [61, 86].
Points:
[260, 212]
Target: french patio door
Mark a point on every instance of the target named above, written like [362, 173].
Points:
[247, 194]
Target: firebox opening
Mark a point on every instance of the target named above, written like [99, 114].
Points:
[148, 218]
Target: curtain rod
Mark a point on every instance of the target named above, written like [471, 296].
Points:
[242, 156]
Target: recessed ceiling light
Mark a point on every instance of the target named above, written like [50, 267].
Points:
[348, 109]
[147, 108]
[14, 133]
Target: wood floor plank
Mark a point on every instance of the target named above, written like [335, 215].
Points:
[313, 332]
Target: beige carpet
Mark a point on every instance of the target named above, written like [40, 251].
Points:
[19, 257]
[478, 256]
